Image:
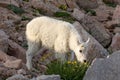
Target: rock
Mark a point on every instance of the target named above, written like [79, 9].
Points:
[95, 49]
[44, 7]
[3, 41]
[116, 14]
[71, 4]
[57, 3]
[3, 56]
[115, 45]
[7, 15]
[87, 4]
[105, 69]
[97, 30]
[77, 14]
[6, 72]
[117, 30]
[16, 50]
[3, 35]
[17, 77]
[112, 24]
[20, 39]
[104, 13]
[13, 63]
[5, 3]
[21, 71]
[49, 77]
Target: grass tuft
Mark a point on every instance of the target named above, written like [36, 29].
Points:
[65, 16]
[68, 70]
[15, 9]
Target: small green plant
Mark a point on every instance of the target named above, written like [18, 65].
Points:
[26, 0]
[39, 11]
[68, 70]
[61, 14]
[65, 16]
[15, 9]
[92, 12]
[63, 7]
[25, 18]
[111, 4]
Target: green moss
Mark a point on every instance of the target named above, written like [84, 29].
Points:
[111, 4]
[63, 7]
[26, 0]
[68, 71]
[25, 18]
[61, 14]
[65, 16]
[93, 13]
[39, 11]
[15, 9]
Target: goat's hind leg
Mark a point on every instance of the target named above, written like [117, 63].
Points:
[33, 47]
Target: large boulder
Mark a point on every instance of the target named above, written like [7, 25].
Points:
[3, 56]
[77, 14]
[10, 61]
[115, 45]
[104, 13]
[49, 77]
[17, 63]
[16, 50]
[116, 14]
[105, 69]
[44, 7]
[96, 29]
[5, 3]
[95, 49]
[17, 77]
[87, 4]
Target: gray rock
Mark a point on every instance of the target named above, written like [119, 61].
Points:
[17, 77]
[3, 41]
[5, 3]
[116, 14]
[77, 14]
[87, 4]
[115, 45]
[96, 29]
[45, 7]
[103, 13]
[95, 49]
[16, 50]
[48, 77]
[105, 69]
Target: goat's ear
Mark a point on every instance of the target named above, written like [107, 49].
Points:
[86, 43]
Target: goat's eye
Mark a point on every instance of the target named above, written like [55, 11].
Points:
[80, 51]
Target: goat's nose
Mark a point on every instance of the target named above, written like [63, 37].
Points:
[85, 61]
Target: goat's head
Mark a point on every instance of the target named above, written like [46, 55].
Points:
[81, 51]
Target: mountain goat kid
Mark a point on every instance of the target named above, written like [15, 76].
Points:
[54, 34]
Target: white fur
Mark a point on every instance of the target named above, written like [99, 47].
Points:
[54, 34]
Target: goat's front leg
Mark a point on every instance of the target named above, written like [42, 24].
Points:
[72, 56]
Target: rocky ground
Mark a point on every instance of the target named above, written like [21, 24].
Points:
[97, 19]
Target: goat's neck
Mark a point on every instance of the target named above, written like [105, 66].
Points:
[74, 40]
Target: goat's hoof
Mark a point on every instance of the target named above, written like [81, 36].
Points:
[35, 70]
